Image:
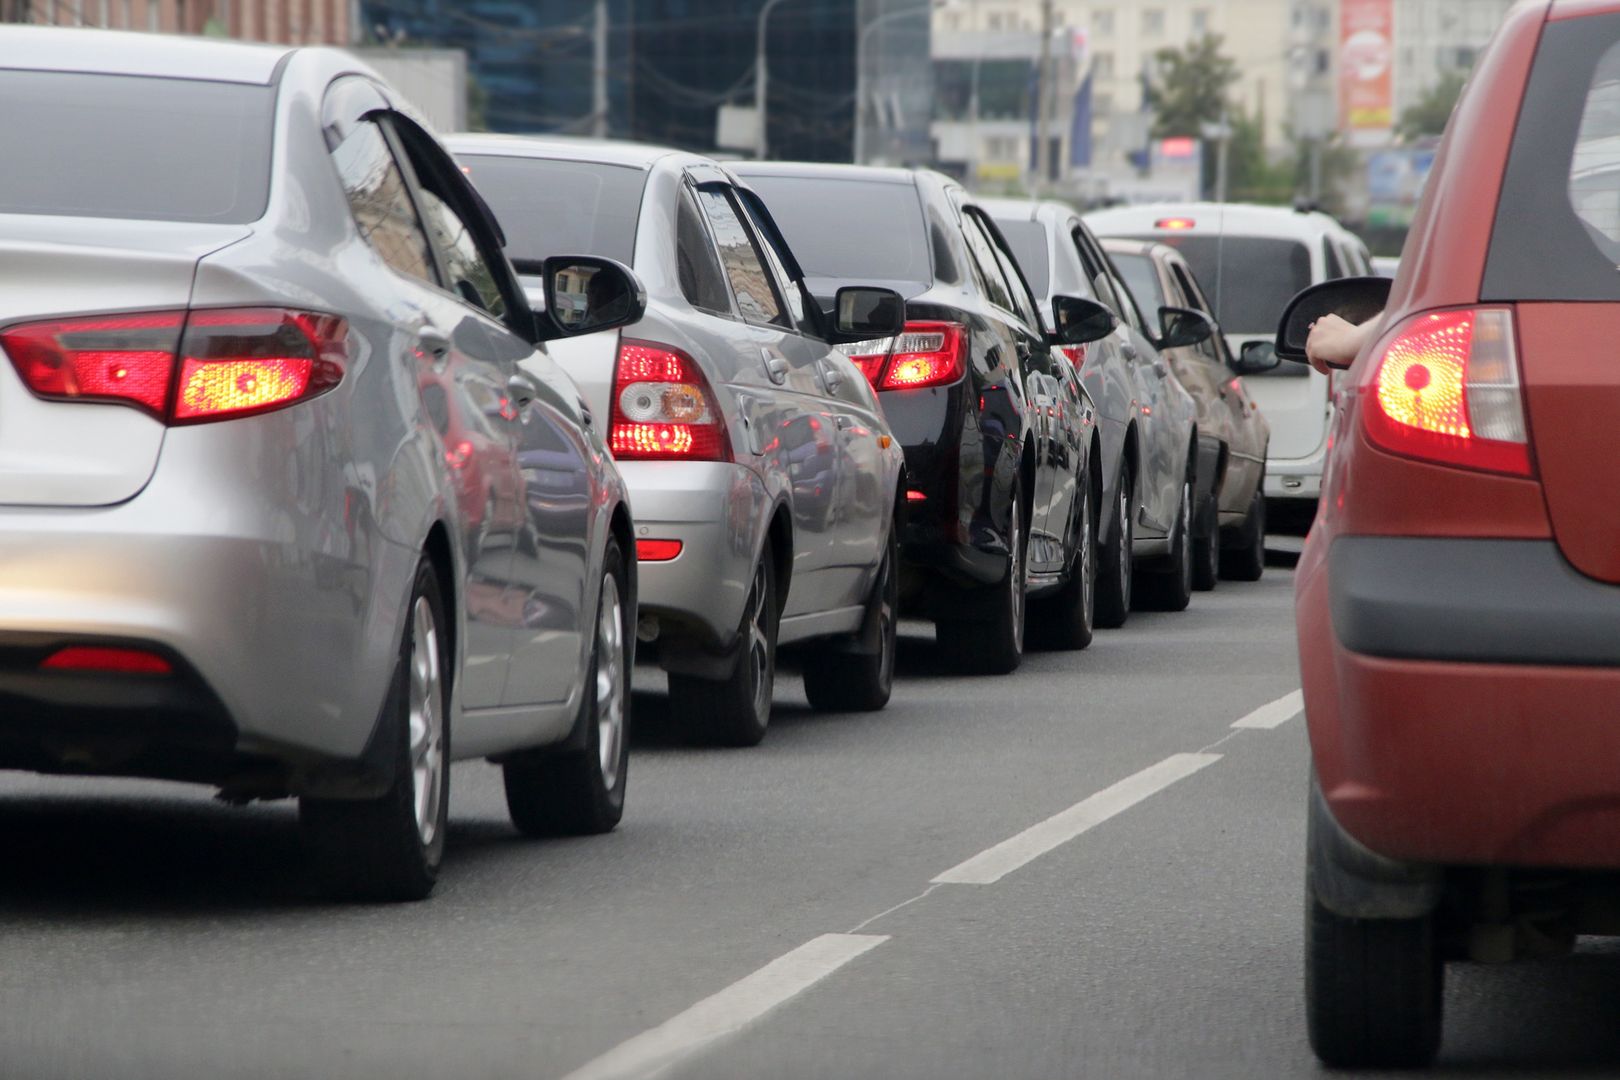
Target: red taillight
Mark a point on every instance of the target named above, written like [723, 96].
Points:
[924, 354]
[182, 367]
[916, 496]
[106, 659]
[1175, 224]
[663, 409]
[1446, 389]
[657, 550]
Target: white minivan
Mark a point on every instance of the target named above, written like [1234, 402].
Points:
[1251, 260]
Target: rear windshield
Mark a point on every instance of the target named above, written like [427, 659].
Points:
[1557, 230]
[1249, 281]
[849, 228]
[549, 207]
[1141, 279]
[119, 146]
[1028, 242]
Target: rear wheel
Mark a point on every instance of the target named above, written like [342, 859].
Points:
[1245, 560]
[1170, 589]
[993, 646]
[736, 711]
[1065, 620]
[843, 681]
[580, 792]
[390, 847]
[1206, 549]
[1114, 561]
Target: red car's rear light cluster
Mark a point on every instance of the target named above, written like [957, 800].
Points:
[1446, 389]
[182, 367]
[663, 408]
[924, 354]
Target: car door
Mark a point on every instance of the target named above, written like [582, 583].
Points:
[523, 424]
[778, 385]
[1103, 369]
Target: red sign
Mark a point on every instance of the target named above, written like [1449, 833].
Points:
[1366, 67]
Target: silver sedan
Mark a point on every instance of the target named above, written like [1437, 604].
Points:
[290, 503]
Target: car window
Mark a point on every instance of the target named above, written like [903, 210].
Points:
[983, 256]
[1557, 229]
[750, 281]
[1029, 246]
[1252, 278]
[1335, 265]
[849, 230]
[548, 206]
[1023, 303]
[1213, 347]
[1141, 279]
[696, 265]
[788, 290]
[1091, 262]
[469, 271]
[379, 199]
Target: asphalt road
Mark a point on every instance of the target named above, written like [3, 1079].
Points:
[1150, 927]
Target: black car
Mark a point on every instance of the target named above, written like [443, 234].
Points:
[1000, 437]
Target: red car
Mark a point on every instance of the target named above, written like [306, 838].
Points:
[1458, 599]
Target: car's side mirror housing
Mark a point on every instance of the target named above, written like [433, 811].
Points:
[1256, 357]
[1077, 321]
[1180, 327]
[585, 294]
[1355, 300]
[861, 313]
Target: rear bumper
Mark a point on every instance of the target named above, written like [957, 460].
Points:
[1463, 698]
[1295, 478]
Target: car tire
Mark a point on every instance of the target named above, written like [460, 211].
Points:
[994, 646]
[581, 792]
[1170, 588]
[1245, 560]
[1206, 548]
[1373, 989]
[1065, 620]
[1114, 563]
[736, 711]
[837, 680]
[389, 848]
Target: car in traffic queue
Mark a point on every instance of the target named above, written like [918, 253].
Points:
[1230, 535]
[1000, 437]
[239, 407]
[1147, 419]
[1251, 260]
[765, 480]
[1458, 597]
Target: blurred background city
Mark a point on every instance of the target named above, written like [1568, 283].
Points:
[1334, 102]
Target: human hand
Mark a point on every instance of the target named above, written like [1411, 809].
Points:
[1334, 343]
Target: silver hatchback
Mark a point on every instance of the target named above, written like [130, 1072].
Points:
[290, 503]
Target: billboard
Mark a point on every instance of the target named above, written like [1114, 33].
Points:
[1366, 70]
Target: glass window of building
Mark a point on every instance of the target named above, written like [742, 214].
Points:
[1102, 22]
[1153, 21]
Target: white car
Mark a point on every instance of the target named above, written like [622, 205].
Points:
[1251, 260]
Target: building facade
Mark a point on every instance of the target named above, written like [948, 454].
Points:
[295, 22]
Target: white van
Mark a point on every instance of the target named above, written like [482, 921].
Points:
[1250, 260]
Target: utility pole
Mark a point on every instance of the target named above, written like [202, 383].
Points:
[599, 60]
[1043, 94]
[761, 144]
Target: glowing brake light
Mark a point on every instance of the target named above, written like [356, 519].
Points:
[657, 550]
[924, 354]
[1174, 223]
[663, 408]
[182, 367]
[1446, 389]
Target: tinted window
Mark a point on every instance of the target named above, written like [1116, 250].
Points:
[1023, 303]
[1141, 278]
[1335, 265]
[469, 273]
[750, 281]
[695, 261]
[381, 204]
[850, 229]
[983, 257]
[122, 147]
[1029, 246]
[560, 207]
[1251, 278]
[1557, 231]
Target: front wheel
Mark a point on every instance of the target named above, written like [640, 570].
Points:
[993, 646]
[842, 681]
[1065, 620]
[390, 847]
[1170, 589]
[737, 710]
[1245, 560]
[580, 792]
[1206, 548]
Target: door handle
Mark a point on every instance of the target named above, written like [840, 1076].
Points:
[844, 422]
[832, 378]
[584, 414]
[432, 343]
[1161, 368]
[1128, 351]
[522, 388]
[776, 368]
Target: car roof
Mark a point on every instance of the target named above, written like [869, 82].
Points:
[116, 52]
[1125, 246]
[1028, 209]
[1209, 218]
[811, 170]
[563, 148]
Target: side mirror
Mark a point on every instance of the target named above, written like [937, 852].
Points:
[1077, 321]
[861, 313]
[1179, 327]
[1256, 357]
[585, 294]
[1354, 299]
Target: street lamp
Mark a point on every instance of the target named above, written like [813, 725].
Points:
[860, 67]
[760, 144]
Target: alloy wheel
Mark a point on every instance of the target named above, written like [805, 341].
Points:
[1184, 525]
[758, 644]
[1015, 571]
[1125, 532]
[610, 670]
[426, 721]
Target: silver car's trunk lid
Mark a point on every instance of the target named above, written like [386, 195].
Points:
[61, 453]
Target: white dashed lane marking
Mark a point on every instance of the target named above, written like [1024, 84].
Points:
[1275, 714]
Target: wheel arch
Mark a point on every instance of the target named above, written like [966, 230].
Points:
[779, 534]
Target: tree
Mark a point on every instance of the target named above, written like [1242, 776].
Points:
[1429, 115]
[1190, 88]
[1250, 174]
